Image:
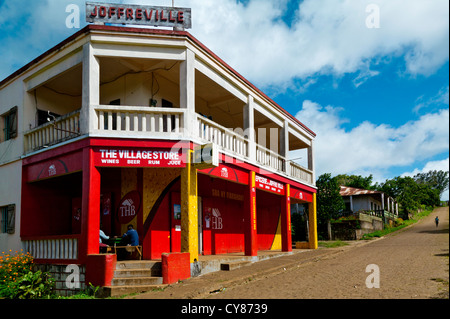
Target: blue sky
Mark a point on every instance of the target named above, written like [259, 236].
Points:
[377, 97]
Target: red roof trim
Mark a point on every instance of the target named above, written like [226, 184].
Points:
[90, 27]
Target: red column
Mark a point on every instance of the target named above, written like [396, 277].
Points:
[90, 220]
[286, 238]
[251, 244]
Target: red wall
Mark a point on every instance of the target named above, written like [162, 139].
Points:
[47, 205]
[225, 233]
[268, 209]
[157, 226]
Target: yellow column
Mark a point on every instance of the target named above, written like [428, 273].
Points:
[189, 211]
[313, 243]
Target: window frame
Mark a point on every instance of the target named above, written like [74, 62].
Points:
[9, 122]
[8, 219]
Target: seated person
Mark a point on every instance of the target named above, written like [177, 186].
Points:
[103, 246]
[131, 237]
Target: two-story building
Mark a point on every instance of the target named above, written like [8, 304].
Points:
[99, 133]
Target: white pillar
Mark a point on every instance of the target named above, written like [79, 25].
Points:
[187, 94]
[284, 145]
[311, 161]
[389, 204]
[91, 90]
[249, 127]
[284, 140]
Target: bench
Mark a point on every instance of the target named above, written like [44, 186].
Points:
[129, 249]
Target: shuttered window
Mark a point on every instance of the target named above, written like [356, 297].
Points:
[10, 124]
[8, 218]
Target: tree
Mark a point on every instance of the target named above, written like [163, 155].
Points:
[437, 180]
[356, 181]
[410, 195]
[329, 202]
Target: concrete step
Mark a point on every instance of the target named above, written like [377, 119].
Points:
[234, 265]
[136, 281]
[138, 264]
[115, 291]
[138, 272]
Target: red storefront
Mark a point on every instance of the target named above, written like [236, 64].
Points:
[121, 152]
[123, 182]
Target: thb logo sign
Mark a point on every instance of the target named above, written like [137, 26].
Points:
[129, 207]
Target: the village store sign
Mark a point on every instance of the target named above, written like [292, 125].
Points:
[135, 157]
[138, 14]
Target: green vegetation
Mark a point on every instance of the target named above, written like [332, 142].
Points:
[332, 243]
[19, 281]
[399, 224]
[329, 203]
[413, 195]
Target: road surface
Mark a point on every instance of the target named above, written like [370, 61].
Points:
[410, 263]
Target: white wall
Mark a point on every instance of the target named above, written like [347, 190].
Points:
[10, 194]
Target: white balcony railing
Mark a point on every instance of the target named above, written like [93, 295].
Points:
[64, 247]
[59, 130]
[139, 120]
[299, 172]
[165, 123]
[226, 139]
[269, 158]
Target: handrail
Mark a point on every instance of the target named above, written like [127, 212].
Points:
[270, 158]
[142, 119]
[63, 128]
[225, 138]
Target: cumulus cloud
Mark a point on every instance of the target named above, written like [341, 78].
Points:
[325, 37]
[369, 147]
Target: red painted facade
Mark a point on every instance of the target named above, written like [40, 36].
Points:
[69, 191]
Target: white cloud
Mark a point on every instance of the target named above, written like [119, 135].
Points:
[442, 165]
[439, 99]
[326, 37]
[372, 148]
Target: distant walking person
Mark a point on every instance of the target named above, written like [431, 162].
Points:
[436, 220]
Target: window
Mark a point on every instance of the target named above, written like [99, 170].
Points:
[8, 219]
[46, 116]
[9, 121]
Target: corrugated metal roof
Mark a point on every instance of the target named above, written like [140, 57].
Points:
[351, 191]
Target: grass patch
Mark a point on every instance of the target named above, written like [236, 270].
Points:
[332, 243]
[400, 225]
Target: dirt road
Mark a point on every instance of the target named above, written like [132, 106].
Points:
[412, 263]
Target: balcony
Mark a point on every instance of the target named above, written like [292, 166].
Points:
[161, 123]
[127, 92]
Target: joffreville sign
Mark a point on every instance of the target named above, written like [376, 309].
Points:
[97, 12]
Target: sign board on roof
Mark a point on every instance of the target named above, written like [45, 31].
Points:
[97, 12]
